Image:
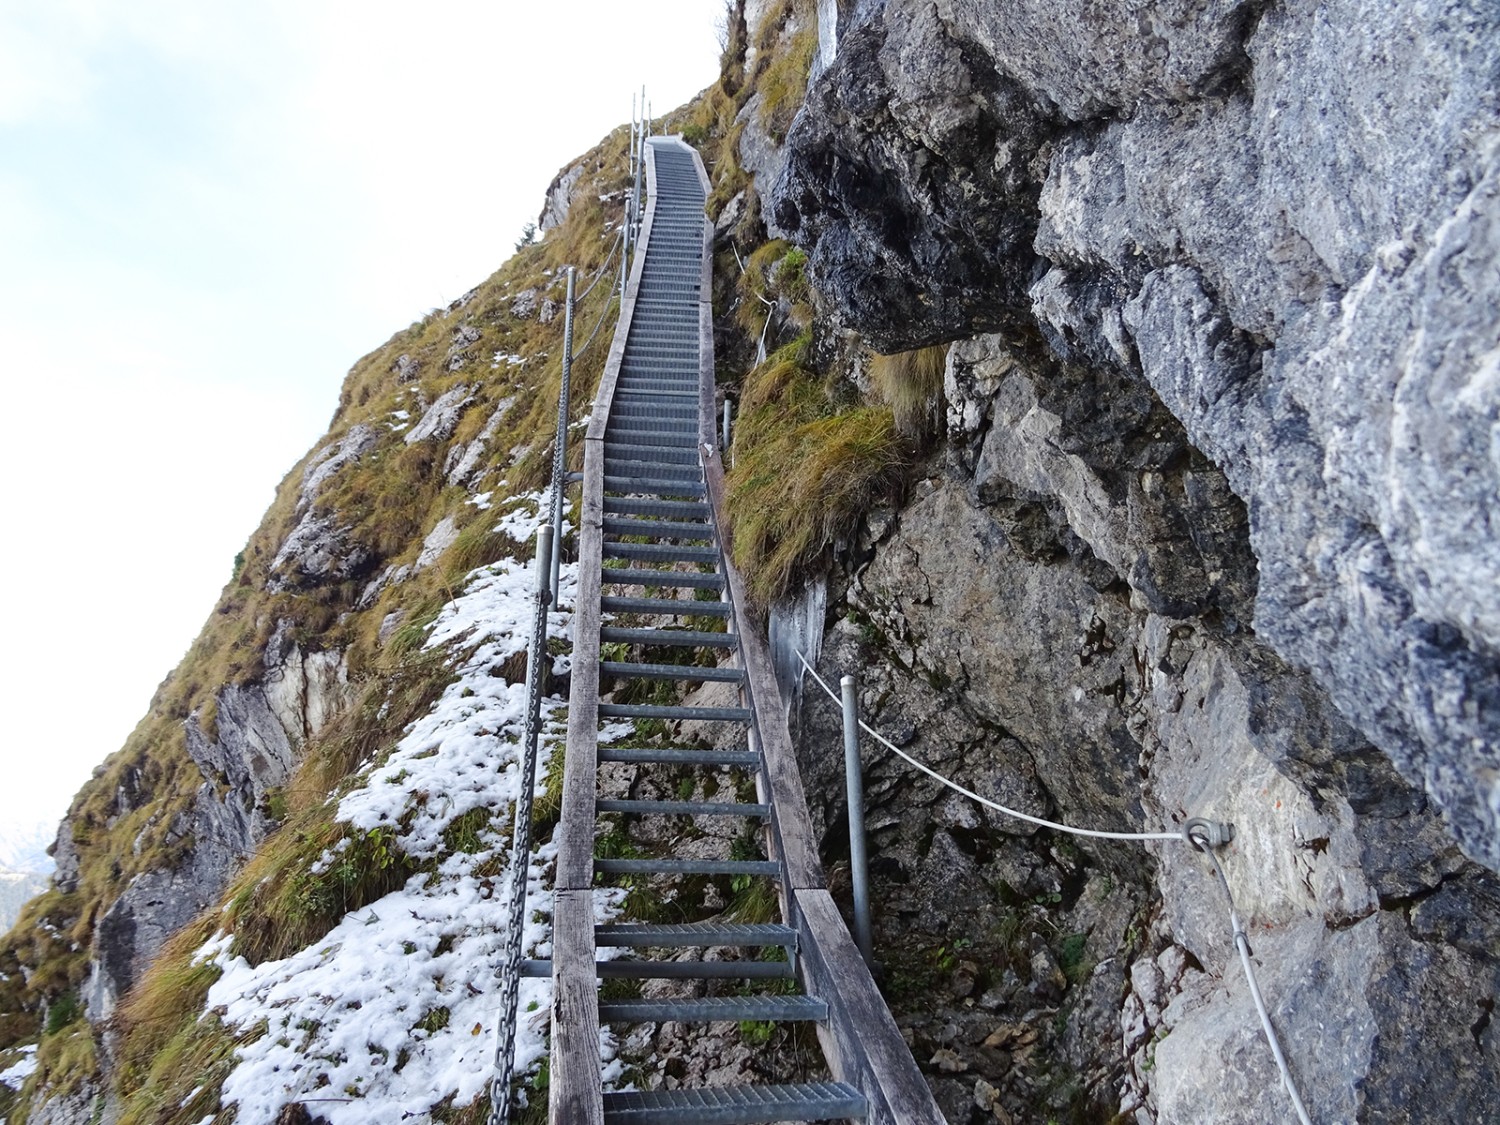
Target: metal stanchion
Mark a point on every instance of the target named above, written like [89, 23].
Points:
[858, 862]
[560, 459]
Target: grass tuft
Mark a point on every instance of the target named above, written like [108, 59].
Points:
[806, 467]
[911, 384]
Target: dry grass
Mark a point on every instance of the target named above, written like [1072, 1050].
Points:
[386, 502]
[911, 384]
[805, 468]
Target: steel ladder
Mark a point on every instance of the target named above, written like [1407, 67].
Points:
[658, 558]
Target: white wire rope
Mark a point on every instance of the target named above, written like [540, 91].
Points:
[599, 273]
[1242, 944]
[985, 801]
[1193, 834]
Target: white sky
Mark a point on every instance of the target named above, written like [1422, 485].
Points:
[208, 211]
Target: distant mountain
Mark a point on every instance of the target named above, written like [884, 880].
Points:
[16, 889]
[23, 847]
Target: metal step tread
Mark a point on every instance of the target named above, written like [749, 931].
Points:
[690, 637]
[713, 1009]
[682, 808]
[661, 552]
[627, 576]
[671, 672]
[736, 1105]
[663, 454]
[656, 711]
[686, 509]
[664, 529]
[667, 607]
[642, 935]
[652, 486]
[688, 867]
[645, 968]
[746, 759]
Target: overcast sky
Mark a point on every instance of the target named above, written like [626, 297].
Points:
[208, 211]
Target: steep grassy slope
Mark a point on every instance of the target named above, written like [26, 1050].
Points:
[380, 532]
[484, 375]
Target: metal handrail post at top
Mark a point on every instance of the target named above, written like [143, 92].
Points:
[859, 870]
[537, 663]
[560, 456]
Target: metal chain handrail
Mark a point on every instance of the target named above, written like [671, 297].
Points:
[520, 841]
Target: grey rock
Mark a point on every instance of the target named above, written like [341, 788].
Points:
[525, 304]
[441, 418]
[466, 461]
[760, 155]
[317, 550]
[327, 461]
[407, 369]
[559, 199]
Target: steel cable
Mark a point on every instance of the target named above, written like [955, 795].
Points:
[1193, 833]
[1242, 943]
[1178, 836]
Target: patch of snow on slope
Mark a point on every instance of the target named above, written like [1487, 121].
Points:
[395, 1009]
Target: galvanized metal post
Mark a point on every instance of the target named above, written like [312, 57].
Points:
[560, 455]
[724, 439]
[858, 863]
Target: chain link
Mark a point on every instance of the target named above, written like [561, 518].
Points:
[520, 856]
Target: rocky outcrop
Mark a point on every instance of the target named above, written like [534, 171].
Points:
[1282, 218]
[559, 198]
[1212, 533]
[259, 729]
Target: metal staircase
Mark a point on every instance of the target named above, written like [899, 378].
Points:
[650, 552]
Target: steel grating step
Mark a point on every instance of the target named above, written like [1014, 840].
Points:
[664, 529]
[627, 576]
[626, 968]
[658, 413]
[666, 607]
[694, 638]
[651, 437]
[659, 454]
[714, 1009]
[685, 509]
[653, 388]
[651, 470]
[736, 1105]
[661, 552]
[670, 672]
[688, 867]
[681, 935]
[652, 486]
[747, 759]
[656, 711]
[683, 808]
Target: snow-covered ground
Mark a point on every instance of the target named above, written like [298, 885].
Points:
[395, 1009]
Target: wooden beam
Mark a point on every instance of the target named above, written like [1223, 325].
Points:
[576, 1092]
[575, 831]
[793, 826]
[868, 1051]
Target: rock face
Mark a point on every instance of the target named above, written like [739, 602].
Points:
[1213, 533]
[259, 729]
[1282, 219]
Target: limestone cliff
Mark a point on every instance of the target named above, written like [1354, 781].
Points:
[1196, 517]
[1210, 532]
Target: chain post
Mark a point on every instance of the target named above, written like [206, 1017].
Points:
[537, 663]
[560, 446]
